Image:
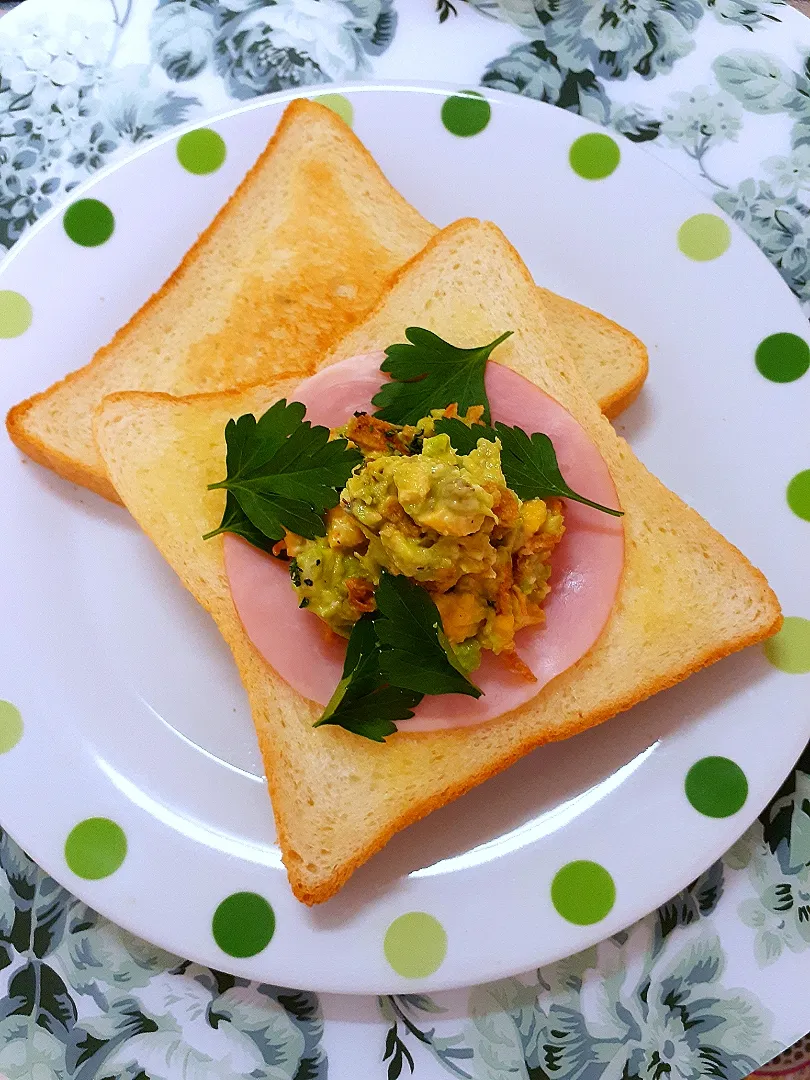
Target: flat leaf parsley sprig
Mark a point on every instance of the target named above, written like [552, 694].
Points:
[429, 373]
[394, 657]
[529, 462]
[283, 474]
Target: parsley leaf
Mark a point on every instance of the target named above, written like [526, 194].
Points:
[416, 653]
[235, 520]
[529, 463]
[464, 438]
[363, 703]
[394, 657]
[531, 469]
[283, 473]
[430, 373]
[237, 439]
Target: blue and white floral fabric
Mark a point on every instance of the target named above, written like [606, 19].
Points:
[91, 79]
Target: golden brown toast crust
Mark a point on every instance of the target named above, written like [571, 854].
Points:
[615, 404]
[53, 459]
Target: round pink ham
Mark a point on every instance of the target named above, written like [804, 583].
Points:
[586, 566]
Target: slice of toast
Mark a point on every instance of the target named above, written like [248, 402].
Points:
[612, 362]
[300, 253]
[687, 596]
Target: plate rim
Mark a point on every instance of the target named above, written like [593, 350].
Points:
[274, 101]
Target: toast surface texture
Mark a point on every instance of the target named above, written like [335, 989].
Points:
[687, 596]
[612, 362]
[299, 254]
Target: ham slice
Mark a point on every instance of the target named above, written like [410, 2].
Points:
[586, 565]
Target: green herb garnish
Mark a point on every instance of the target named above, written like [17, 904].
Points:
[529, 463]
[532, 468]
[416, 653]
[394, 657]
[235, 520]
[430, 373]
[364, 703]
[283, 474]
[464, 437]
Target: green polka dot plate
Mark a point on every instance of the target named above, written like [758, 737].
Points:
[128, 762]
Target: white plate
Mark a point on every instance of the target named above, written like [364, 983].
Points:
[132, 709]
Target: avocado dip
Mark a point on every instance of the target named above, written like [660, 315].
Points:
[416, 507]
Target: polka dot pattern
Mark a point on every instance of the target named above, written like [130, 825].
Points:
[338, 104]
[466, 114]
[716, 787]
[95, 848]
[789, 650]
[798, 495]
[202, 151]
[243, 924]
[583, 892]
[16, 314]
[415, 945]
[11, 726]
[594, 156]
[89, 222]
[783, 358]
[704, 237]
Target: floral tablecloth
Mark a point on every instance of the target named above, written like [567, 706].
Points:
[714, 983]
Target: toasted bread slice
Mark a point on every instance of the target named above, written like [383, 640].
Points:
[612, 362]
[299, 254]
[687, 596]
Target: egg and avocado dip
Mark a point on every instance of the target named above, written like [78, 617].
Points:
[449, 521]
